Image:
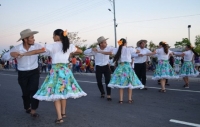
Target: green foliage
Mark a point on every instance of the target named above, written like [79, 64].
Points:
[197, 40]
[182, 44]
[152, 46]
[197, 49]
[83, 48]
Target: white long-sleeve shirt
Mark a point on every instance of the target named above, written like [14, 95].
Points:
[26, 62]
[138, 59]
[55, 51]
[125, 54]
[100, 59]
[162, 55]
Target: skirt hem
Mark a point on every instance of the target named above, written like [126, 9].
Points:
[129, 86]
[164, 77]
[58, 97]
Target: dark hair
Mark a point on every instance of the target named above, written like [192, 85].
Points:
[165, 47]
[192, 49]
[119, 51]
[64, 39]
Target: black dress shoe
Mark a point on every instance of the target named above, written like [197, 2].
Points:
[28, 111]
[102, 96]
[109, 99]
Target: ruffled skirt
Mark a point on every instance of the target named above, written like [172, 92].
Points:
[164, 71]
[59, 84]
[125, 77]
[188, 70]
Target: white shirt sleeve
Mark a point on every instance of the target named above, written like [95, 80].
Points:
[157, 51]
[148, 51]
[177, 53]
[112, 49]
[7, 55]
[48, 49]
[72, 48]
[132, 50]
[89, 52]
[134, 55]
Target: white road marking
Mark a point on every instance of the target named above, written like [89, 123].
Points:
[147, 87]
[184, 123]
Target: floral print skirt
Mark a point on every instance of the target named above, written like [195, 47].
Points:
[164, 71]
[188, 70]
[59, 84]
[125, 77]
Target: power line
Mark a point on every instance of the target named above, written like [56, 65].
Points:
[161, 18]
[50, 14]
[43, 24]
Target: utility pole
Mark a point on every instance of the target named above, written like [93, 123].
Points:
[115, 24]
[189, 26]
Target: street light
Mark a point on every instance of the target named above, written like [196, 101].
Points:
[115, 25]
[189, 26]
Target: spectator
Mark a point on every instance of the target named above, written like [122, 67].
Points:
[73, 64]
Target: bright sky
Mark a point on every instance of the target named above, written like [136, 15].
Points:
[153, 20]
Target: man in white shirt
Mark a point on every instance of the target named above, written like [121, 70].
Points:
[28, 73]
[140, 61]
[101, 63]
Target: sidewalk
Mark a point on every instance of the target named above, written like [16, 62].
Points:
[149, 75]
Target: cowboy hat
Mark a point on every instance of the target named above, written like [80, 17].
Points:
[101, 39]
[26, 33]
[140, 41]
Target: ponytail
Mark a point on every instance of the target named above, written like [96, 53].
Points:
[165, 46]
[192, 49]
[119, 51]
[64, 39]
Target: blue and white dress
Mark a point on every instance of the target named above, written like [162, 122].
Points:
[124, 76]
[163, 69]
[188, 68]
[60, 82]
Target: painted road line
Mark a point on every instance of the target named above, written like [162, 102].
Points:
[175, 89]
[184, 123]
[147, 87]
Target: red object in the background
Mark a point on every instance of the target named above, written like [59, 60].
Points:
[15, 61]
[87, 62]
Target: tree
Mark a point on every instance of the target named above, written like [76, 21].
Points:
[197, 40]
[75, 39]
[182, 44]
[83, 48]
[152, 46]
[197, 49]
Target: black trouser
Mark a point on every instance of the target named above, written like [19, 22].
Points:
[29, 82]
[112, 68]
[106, 71]
[140, 71]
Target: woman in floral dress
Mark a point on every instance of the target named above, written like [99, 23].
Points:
[163, 69]
[60, 83]
[124, 76]
[187, 69]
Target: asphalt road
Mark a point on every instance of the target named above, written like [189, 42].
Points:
[150, 108]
